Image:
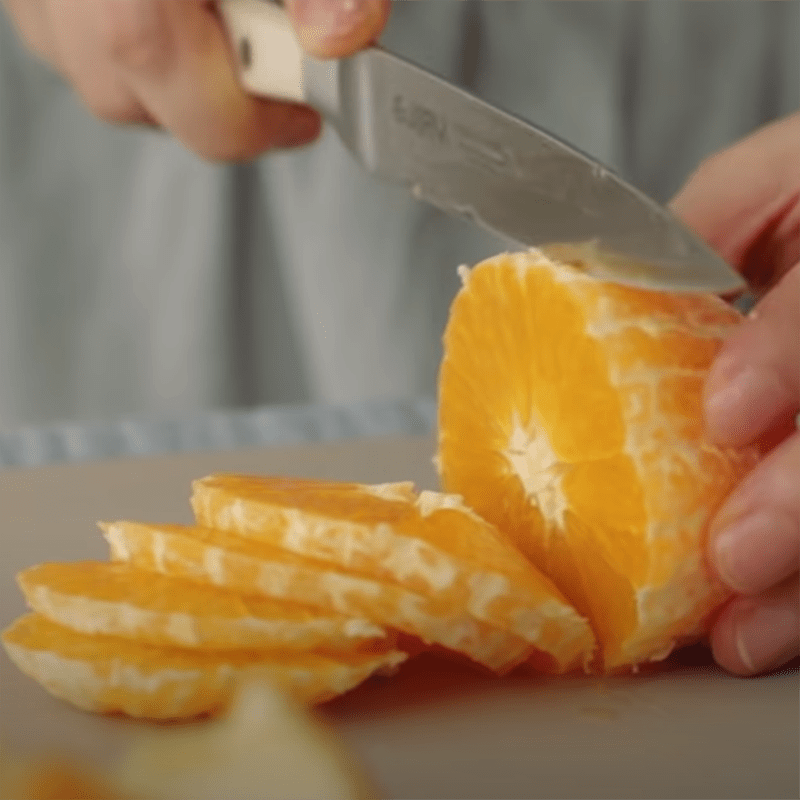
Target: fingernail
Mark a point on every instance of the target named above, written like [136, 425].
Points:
[321, 22]
[745, 552]
[767, 636]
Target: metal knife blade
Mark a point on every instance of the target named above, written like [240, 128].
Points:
[466, 157]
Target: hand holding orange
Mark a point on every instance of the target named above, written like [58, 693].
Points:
[745, 201]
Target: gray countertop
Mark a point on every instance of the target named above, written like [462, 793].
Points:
[218, 430]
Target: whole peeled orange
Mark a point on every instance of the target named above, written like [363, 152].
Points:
[570, 416]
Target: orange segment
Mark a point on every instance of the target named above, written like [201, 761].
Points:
[497, 584]
[121, 600]
[111, 675]
[256, 568]
[433, 545]
[570, 417]
[263, 746]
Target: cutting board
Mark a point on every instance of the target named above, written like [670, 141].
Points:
[436, 729]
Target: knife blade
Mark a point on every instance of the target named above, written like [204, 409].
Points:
[468, 158]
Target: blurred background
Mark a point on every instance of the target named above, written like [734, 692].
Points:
[138, 280]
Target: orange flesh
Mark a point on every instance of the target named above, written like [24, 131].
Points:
[120, 599]
[104, 673]
[565, 408]
[431, 547]
[253, 567]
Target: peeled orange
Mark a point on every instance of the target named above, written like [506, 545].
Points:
[120, 600]
[110, 674]
[570, 417]
[256, 568]
[432, 545]
[264, 746]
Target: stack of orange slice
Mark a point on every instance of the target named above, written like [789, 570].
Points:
[438, 570]
[314, 581]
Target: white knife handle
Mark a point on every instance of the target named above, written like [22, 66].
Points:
[268, 54]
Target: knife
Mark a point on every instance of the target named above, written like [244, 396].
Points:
[468, 158]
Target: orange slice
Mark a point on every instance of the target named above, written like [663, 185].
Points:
[255, 568]
[111, 675]
[570, 417]
[431, 544]
[264, 746]
[120, 600]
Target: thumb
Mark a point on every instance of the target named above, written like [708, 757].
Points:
[745, 202]
[337, 28]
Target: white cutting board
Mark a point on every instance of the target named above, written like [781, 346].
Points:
[435, 729]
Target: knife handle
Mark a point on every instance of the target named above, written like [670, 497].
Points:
[268, 54]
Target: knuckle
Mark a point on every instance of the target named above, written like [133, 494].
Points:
[231, 149]
[116, 107]
[234, 138]
[136, 34]
[711, 169]
[225, 151]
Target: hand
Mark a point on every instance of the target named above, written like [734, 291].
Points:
[745, 202]
[167, 63]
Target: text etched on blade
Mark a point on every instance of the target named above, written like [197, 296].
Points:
[422, 121]
[435, 128]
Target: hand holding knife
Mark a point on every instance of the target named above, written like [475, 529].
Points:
[451, 149]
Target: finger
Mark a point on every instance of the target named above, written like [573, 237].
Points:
[745, 202]
[754, 540]
[191, 86]
[83, 62]
[756, 634]
[337, 28]
[174, 59]
[754, 384]
[33, 24]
